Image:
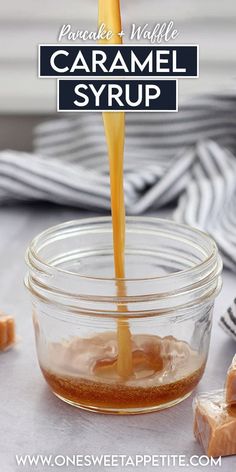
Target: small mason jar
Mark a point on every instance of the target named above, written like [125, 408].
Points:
[130, 345]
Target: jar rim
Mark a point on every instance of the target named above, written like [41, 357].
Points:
[181, 288]
[107, 219]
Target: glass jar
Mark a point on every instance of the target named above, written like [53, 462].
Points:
[130, 345]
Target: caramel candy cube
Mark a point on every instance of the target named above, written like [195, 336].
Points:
[7, 332]
[215, 424]
[230, 385]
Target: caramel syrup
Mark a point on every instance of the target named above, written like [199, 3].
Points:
[114, 124]
[84, 371]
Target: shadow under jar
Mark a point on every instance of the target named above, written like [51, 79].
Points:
[173, 274]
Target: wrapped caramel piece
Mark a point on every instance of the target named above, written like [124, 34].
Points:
[215, 424]
[7, 332]
[230, 385]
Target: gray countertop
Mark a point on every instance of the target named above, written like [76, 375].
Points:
[33, 421]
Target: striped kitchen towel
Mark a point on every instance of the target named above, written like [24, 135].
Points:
[228, 320]
[186, 159]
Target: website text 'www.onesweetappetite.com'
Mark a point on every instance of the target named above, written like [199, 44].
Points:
[116, 460]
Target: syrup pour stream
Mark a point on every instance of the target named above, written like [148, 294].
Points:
[114, 124]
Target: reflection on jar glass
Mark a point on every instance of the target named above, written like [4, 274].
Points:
[172, 278]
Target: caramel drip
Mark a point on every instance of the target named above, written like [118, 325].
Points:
[114, 124]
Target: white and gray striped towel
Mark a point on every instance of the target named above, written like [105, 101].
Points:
[228, 320]
[187, 158]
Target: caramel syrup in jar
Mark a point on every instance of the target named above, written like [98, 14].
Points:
[84, 372]
[120, 372]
